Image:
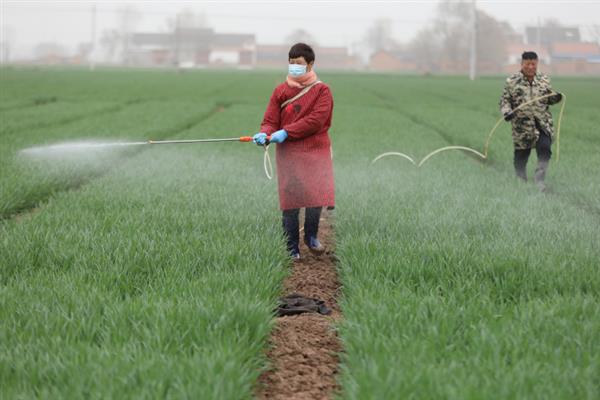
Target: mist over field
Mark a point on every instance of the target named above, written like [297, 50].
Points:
[154, 269]
[135, 270]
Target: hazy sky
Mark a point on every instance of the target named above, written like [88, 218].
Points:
[333, 23]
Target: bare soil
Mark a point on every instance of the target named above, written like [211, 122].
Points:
[304, 348]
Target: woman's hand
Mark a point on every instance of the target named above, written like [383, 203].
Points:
[260, 138]
[279, 136]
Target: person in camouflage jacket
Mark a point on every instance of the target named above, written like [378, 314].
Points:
[532, 124]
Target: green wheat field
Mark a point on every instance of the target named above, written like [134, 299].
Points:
[152, 271]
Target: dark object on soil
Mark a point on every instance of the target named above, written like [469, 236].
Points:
[295, 304]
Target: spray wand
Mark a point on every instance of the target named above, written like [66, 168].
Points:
[236, 139]
[78, 146]
[266, 160]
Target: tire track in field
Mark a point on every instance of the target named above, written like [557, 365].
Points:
[566, 198]
[36, 102]
[577, 201]
[304, 349]
[24, 212]
[389, 104]
[36, 205]
[103, 111]
[465, 105]
[75, 118]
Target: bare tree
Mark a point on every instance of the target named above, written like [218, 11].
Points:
[426, 49]
[493, 37]
[6, 43]
[552, 23]
[444, 45]
[128, 17]
[84, 50]
[110, 42]
[379, 36]
[187, 19]
[452, 22]
[594, 32]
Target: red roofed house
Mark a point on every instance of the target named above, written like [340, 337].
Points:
[577, 58]
[389, 61]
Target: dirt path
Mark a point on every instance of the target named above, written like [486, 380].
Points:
[304, 348]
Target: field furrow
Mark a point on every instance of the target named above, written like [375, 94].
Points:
[159, 274]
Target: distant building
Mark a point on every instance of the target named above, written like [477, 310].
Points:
[546, 35]
[574, 51]
[272, 56]
[198, 48]
[336, 58]
[191, 48]
[233, 49]
[575, 58]
[50, 53]
[560, 51]
[392, 61]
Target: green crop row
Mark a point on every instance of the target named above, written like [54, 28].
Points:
[155, 280]
[459, 281]
[158, 275]
[28, 178]
[101, 107]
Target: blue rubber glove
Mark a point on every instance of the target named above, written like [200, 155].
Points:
[279, 136]
[259, 138]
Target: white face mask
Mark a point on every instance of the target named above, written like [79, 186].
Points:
[296, 70]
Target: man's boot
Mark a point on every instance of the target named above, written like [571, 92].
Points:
[520, 163]
[521, 174]
[540, 174]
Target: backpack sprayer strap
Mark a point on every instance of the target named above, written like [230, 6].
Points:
[302, 93]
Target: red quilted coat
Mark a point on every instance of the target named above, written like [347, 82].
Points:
[304, 166]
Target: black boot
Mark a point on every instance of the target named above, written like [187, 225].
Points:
[291, 228]
[540, 174]
[520, 162]
[544, 152]
[312, 216]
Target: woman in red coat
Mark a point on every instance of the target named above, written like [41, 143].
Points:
[297, 119]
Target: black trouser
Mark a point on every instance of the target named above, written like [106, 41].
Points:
[291, 225]
[543, 148]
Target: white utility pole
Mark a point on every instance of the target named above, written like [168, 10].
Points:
[473, 55]
[92, 55]
[539, 35]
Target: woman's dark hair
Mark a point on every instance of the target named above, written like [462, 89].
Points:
[529, 55]
[302, 50]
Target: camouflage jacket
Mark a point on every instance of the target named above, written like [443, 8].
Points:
[519, 90]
